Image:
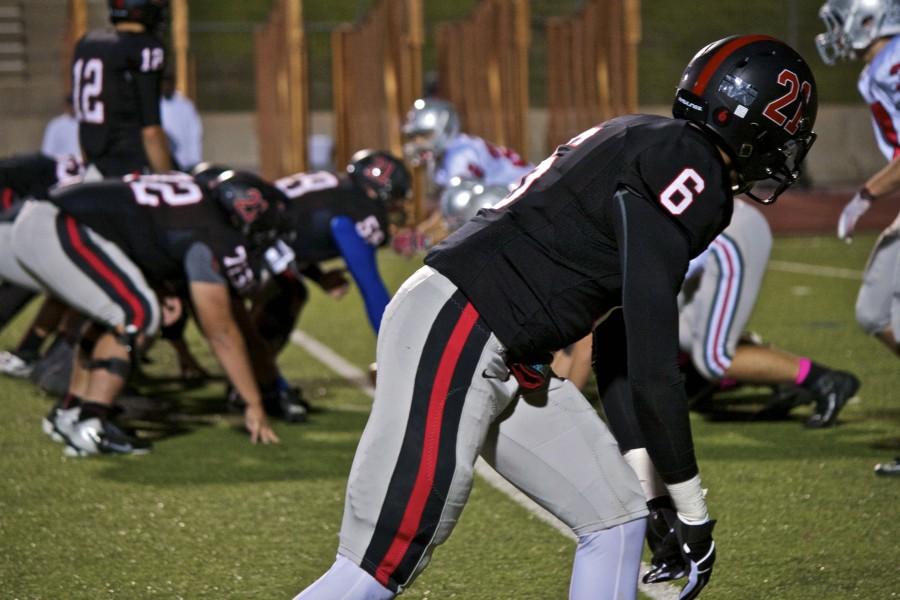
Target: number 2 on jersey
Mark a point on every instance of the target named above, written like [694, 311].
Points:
[172, 190]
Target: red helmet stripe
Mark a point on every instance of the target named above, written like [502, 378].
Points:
[720, 55]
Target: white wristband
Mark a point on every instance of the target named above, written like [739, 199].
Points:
[687, 497]
[641, 464]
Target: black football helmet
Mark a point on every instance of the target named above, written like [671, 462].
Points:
[382, 173]
[757, 97]
[254, 207]
[148, 12]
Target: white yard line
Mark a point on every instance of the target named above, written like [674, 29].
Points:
[353, 374]
[820, 270]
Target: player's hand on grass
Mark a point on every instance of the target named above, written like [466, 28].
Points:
[699, 552]
[666, 562]
[854, 209]
[257, 424]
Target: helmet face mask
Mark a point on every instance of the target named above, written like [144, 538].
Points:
[851, 26]
[430, 124]
[382, 176]
[755, 97]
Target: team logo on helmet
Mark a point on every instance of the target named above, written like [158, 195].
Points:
[250, 206]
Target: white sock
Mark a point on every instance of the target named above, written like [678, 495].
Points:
[607, 563]
[345, 580]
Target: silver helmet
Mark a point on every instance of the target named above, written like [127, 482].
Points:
[429, 125]
[853, 25]
[463, 198]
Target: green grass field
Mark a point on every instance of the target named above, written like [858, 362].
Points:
[207, 515]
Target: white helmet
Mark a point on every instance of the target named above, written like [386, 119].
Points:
[430, 124]
[853, 25]
[463, 198]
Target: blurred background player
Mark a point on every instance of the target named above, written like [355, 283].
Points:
[113, 250]
[61, 133]
[182, 124]
[432, 138]
[22, 177]
[116, 91]
[870, 30]
[716, 302]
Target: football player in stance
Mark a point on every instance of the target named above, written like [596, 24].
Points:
[21, 177]
[612, 218]
[716, 302]
[347, 216]
[116, 76]
[870, 30]
[756, 99]
[120, 252]
[432, 138]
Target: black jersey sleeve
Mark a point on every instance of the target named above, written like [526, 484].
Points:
[654, 256]
[684, 176]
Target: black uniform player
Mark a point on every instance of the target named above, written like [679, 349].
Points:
[336, 216]
[26, 176]
[610, 220]
[109, 248]
[116, 91]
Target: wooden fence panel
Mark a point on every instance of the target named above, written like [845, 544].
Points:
[483, 70]
[281, 91]
[592, 66]
[376, 76]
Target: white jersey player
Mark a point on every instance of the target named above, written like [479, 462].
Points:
[433, 138]
[871, 30]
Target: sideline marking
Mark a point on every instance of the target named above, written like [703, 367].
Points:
[804, 269]
[353, 374]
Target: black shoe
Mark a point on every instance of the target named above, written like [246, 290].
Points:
[831, 392]
[101, 436]
[887, 469]
[287, 405]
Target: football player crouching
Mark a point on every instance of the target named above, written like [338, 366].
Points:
[331, 216]
[103, 248]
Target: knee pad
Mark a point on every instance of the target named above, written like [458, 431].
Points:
[115, 366]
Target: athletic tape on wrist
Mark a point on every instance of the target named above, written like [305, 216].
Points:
[687, 497]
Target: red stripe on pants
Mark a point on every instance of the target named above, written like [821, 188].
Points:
[412, 516]
[140, 317]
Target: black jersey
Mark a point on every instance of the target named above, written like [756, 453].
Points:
[545, 265]
[155, 220]
[33, 175]
[315, 199]
[116, 89]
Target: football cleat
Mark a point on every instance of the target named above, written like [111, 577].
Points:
[831, 392]
[100, 436]
[14, 365]
[60, 423]
[887, 469]
[288, 405]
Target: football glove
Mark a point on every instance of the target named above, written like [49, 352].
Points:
[699, 552]
[409, 242]
[666, 562]
[530, 377]
[854, 209]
